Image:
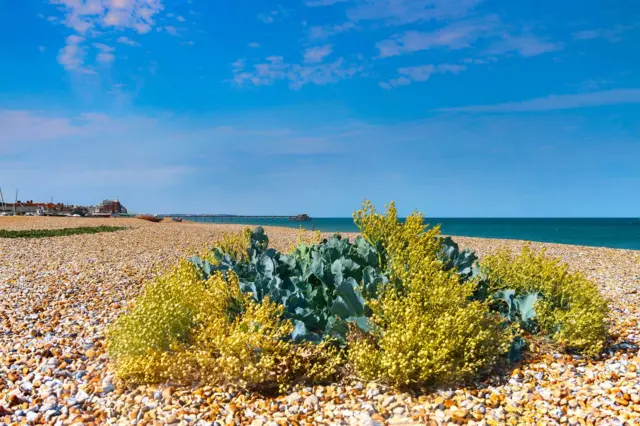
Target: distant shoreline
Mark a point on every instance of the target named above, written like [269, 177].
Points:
[616, 234]
[619, 233]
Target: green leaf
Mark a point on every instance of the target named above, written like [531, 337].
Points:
[362, 322]
[348, 303]
[299, 332]
[515, 350]
[525, 307]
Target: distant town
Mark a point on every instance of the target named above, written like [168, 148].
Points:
[107, 208]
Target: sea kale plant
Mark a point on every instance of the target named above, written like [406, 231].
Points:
[400, 304]
[322, 287]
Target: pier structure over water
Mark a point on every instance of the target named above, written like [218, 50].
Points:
[230, 217]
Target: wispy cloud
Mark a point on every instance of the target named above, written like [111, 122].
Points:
[420, 73]
[317, 54]
[273, 15]
[90, 18]
[525, 44]
[316, 3]
[72, 55]
[467, 34]
[557, 102]
[171, 30]
[613, 35]
[458, 35]
[321, 32]
[254, 45]
[21, 126]
[399, 12]
[170, 157]
[297, 75]
[106, 53]
[127, 41]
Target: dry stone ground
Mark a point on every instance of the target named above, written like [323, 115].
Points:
[57, 295]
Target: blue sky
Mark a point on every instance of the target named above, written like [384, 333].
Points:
[455, 107]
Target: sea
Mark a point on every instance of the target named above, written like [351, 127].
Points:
[622, 233]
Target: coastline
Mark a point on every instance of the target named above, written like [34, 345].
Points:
[59, 294]
[623, 233]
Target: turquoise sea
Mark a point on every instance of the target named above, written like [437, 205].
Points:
[607, 232]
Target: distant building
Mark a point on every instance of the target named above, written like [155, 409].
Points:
[111, 206]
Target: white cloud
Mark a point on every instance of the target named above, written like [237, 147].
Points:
[181, 18]
[127, 41]
[558, 102]
[400, 12]
[42, 48]
[72, 55]
[323, 32]
[315, 3]
[90, 18]
[316, 54]
[420, 73]
[464, 34]
[271, 16]
[613, 35]
[525, 44]
[19, 126]
[254, 45]
[171, 30]
[455, 36]
[106, 53]
[297, 75]
[122, 14]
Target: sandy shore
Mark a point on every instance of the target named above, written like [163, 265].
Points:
[58, 294]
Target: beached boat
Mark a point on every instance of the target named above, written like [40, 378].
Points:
[176, 219]
[150, 218]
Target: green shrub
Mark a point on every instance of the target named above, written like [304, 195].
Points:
[570, 308]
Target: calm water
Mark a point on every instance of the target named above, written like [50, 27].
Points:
[617, 233]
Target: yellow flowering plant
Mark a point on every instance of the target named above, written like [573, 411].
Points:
[571, 309]
[425, 328]
[185, 329]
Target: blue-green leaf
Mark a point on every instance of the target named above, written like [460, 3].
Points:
[348, 303]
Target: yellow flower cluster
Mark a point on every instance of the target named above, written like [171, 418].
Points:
[425, 331]
[234, 244]
[572, 309]
[185, 329]
[308, 238]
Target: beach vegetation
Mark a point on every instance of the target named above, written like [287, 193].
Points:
[399, 304]
[62, 232]
[426, 328]
[568, 306]
[185, 328]
[322, 286]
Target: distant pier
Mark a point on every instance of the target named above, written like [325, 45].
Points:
[230, 218]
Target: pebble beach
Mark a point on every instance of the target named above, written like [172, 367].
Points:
[58, 295]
